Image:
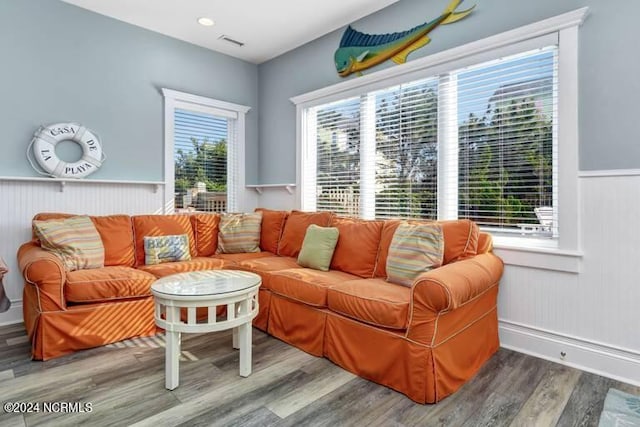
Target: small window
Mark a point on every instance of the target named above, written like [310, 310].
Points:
[200, 154]
[204, 139]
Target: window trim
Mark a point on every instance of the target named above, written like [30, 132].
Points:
[565, 28]
[174, 99]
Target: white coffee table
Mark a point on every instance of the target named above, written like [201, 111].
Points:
[237, 290]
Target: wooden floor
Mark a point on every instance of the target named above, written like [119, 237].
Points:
[124, 383]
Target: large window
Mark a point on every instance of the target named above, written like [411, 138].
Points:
[204, 142]
[474, 134]
[496, 118]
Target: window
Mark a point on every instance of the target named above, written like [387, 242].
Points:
[507, 148]
[204, 140]
[200, 156]
[468, 133]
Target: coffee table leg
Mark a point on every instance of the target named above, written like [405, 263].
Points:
[244, 336]
[235, 339]
[172, 351]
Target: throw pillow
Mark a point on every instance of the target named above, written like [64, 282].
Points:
[159, 249]
[317, 247]
[239, 233]
[414, 249]
[75, 240]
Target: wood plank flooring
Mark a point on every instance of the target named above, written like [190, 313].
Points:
[124, 382]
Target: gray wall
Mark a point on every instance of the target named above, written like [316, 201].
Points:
[63, 63]
[609, 70]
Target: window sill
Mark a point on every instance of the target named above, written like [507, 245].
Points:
[536, 255]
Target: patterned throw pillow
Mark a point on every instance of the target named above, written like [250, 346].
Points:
[159, 249]
[75, 240]
[239, 233]
[318, 246]
[414, 249]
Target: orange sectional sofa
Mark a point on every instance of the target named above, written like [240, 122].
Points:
[424, 341]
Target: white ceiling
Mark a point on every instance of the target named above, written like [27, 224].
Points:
[268, 28]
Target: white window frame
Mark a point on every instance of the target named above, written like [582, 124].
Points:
[173, 100]
[562, 29]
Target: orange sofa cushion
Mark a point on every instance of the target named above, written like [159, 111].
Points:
[460, 241]
[485, 243]
[237, 258]
[107, 283]
[116, 233]
[307, 285]
[265, 266]
[205, 231]
[357, 247]
[161, 225]
[295, 229]
[271, 229]
[195, 264]
[372, 301]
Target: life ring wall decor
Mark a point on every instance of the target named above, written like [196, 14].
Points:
[43, 149]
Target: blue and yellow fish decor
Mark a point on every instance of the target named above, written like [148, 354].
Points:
[359, 51]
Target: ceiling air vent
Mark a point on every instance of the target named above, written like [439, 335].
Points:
[230, 40]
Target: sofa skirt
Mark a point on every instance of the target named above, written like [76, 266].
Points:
[297, 324]
[56, 333]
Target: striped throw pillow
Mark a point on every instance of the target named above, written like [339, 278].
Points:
[414, 249]
[159, 249]
[239, 233]
[75, 240]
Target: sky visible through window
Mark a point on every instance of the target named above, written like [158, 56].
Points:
[479, 85]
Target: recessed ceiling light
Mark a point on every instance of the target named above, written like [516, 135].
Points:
[207, 22]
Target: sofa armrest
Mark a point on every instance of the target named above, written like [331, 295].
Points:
[46, 272]
[447, 288]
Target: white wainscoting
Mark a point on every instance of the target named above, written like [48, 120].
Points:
[21, 200]
[587, 318]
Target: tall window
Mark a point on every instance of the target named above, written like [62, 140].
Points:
[475, 142]
[507, 113]
[204, 142]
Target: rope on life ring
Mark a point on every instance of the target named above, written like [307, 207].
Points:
[43, 149]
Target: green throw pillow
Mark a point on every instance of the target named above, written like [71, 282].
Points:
[414, 249]
[317, 247]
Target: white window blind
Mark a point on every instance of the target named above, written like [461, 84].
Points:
[201, 154]
[337, 151]
[477, 142]
[406, 119]
[506, 155]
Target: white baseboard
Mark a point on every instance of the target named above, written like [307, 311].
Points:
[598, 358]
[13, 315]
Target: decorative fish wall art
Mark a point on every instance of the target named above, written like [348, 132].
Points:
[359, 51]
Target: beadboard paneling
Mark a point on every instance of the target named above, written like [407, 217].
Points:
[23, 199]
[591, 316]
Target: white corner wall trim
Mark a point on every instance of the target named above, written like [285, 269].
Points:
[546, 259]
[591, 356]
[13, 315]
[609, 173]
[521, 34]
